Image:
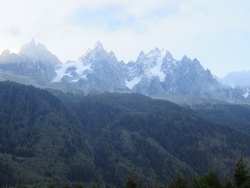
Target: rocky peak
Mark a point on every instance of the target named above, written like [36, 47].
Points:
[169, 56]
[5, 52]
[97, 53]
[155, 55]
[186, 59]
[38, 52]
[98, 46]
[8, 57]
[155, 72]
[194, 65]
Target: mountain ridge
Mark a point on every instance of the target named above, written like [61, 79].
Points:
[153, 73]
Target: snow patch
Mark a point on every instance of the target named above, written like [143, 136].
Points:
[79, 69]
[156, 70]
[130, 84]
[186, 72]
[60, 73]
[82, 68]
[247, 93]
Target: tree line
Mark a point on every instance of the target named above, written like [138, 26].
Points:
[240, 179]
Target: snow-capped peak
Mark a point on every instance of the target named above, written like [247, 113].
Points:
[186, 58]
[98, 45]
[154, 53]
[32, 49]
[151, 64]
[157, 53]
[154, 57]
[169, 56]
[97, 52]
[38, 52]
[91, 52]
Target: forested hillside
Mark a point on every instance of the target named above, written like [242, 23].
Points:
[236, 116]
[103, 138]
[154, 138]
[40, 139]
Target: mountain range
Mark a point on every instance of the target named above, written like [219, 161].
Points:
[155, 74]
[86, 120]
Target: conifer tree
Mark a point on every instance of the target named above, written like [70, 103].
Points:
[178, 182]
[240, 172]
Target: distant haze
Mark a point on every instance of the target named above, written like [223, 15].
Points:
[217, 33]
[239, 78]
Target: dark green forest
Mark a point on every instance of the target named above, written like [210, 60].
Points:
[236, 116]
[51, 138]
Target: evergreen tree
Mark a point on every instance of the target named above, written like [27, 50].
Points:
[210, 180]
[178, 182]
[52, 184]
[132, 183]
[240, 172]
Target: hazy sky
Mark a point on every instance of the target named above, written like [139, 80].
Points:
[217, 33]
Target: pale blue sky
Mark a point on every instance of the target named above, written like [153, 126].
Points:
[217, 33]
